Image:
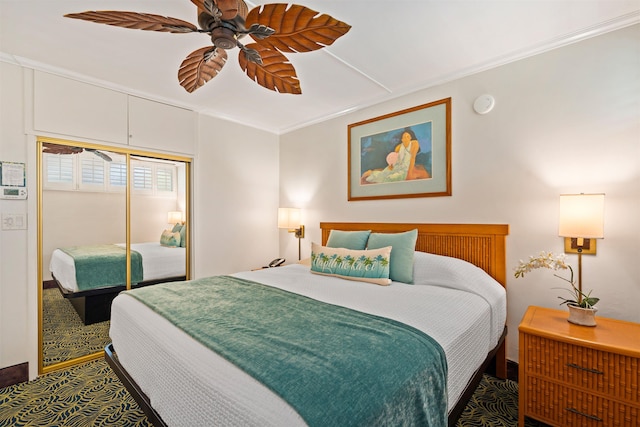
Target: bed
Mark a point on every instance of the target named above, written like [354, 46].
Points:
[193, 385]
[91, 276]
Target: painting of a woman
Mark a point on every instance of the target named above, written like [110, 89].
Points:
[401, 162]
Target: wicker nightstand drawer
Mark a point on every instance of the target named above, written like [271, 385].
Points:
[598, 371]
[573, 375]
[566, 406]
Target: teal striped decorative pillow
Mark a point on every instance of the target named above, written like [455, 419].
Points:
[362, 265]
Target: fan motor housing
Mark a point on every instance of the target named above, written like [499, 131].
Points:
[223, 38]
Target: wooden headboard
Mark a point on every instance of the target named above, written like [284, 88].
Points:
[479, 244]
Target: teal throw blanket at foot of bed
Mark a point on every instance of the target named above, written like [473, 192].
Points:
[100, 266]
[333, 365]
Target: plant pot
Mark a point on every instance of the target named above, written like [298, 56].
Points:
[582, 316]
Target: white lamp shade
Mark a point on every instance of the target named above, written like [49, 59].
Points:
[288, 218]
[174, 217]
[582, 215]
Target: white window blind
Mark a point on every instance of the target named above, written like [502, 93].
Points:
[142, 178]
[89, 172]
[117, 175]
[164, 179]
[59, 169]
[92, 171]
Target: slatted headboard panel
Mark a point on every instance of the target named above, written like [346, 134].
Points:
[479, 244]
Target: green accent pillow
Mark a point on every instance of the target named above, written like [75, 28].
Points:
[170, 239]
[404, 245]
[183, 236]
[176, 228]
[348, 239]
[360, 265]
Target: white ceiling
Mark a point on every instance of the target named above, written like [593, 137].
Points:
[393, 48]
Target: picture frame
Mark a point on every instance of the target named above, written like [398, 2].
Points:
[401, 155]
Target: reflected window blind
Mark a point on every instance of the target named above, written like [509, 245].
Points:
[59, 169]
[92, 170]
[164, 179]
[118, 174]
[142, 178]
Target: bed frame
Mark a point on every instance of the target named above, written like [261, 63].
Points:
[481, 244]
[94, 305]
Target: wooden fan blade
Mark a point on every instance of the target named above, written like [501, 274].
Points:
[204, 5]
[48, 147]
[136, 21]
[228, 8]
[275, 73]
[201, 66]
[298, 28]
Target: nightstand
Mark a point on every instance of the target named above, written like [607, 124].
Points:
[571, 375]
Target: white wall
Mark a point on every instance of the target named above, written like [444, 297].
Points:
[236, 198]
[14, 295]
[565, 121]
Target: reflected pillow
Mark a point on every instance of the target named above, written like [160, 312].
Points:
[370, 266]
[183, 236]
[403, 247]
[348, 239]
[170, 239]
[176, 228]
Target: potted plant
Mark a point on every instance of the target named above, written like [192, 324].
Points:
[581, 305]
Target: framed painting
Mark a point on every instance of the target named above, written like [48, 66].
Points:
[402, 154]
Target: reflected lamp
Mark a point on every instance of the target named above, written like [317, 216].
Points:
[174, 217]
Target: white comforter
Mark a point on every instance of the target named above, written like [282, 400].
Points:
[190, 385]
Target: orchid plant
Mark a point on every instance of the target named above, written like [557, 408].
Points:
[557, 262]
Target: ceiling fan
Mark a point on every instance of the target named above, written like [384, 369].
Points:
[275, 28]
[48, 147]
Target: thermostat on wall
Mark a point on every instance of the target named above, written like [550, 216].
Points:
[13, 193]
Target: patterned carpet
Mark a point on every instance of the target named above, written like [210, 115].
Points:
[91, 395]
[64, 336]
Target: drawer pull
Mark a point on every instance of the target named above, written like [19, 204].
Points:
[593, 371]
[591, 417]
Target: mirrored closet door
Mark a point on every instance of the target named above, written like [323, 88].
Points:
[99, 207]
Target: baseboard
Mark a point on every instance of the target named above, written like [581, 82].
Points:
[14, 374]
[512, 370]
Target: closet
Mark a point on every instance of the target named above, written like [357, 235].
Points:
[109, 218]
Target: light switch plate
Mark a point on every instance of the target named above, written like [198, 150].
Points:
[14, 221]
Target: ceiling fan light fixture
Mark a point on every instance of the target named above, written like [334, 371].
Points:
[224, 38]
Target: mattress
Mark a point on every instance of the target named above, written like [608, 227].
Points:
[190, 385]
[158, 262]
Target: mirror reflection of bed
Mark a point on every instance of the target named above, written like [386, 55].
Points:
[91, 276]
[84, 235]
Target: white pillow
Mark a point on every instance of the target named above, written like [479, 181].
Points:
[449, 272]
